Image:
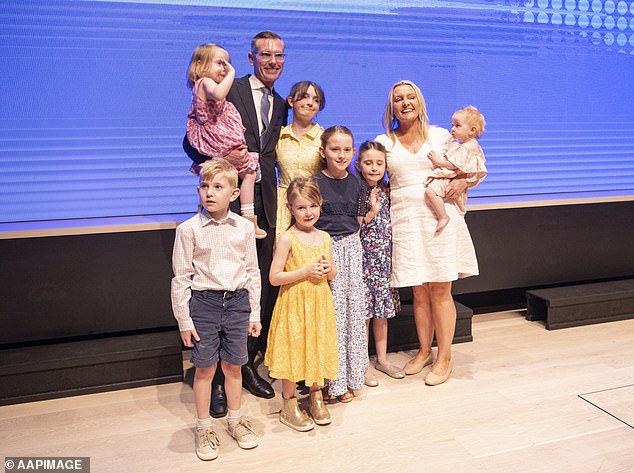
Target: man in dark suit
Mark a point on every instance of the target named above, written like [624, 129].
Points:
[263, 112]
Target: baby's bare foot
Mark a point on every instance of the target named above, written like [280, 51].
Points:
[442, 223]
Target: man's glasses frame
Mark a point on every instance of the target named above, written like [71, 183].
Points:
[268, 56]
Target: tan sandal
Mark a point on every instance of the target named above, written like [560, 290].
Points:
[345, 397]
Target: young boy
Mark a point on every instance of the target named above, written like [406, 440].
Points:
[216, 299]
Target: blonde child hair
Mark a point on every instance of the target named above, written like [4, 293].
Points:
[218, 166]
[200, 61]
[303, 187]
[475, 119]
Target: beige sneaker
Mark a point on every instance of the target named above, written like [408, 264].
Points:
[244, 434]
[207, 444]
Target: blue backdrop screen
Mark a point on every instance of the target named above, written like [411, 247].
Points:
[94, 102]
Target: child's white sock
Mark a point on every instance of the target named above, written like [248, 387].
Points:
[247, 210]
[233, 416]
[204, 423]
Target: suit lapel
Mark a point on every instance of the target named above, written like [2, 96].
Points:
[245, 96]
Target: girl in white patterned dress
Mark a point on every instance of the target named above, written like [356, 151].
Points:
[339, 217]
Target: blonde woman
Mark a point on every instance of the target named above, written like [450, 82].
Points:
[423, 259]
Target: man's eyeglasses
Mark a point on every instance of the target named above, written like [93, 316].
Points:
[267, 56]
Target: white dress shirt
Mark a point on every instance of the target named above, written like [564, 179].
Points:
[256, 91]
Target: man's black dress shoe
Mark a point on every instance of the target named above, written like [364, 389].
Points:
[252, 382]
[218, 406]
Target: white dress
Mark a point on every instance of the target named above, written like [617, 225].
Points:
[419, 254]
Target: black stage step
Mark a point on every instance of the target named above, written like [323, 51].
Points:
[582, 304]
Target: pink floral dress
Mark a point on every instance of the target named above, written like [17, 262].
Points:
[214, 128]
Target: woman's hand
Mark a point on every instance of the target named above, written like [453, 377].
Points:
[456, 187]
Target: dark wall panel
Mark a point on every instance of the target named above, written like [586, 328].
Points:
[77, 286]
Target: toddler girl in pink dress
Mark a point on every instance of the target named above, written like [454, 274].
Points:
[214, 126]
[464, 158]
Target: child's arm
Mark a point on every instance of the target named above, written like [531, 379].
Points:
[374, 207]
[440, 162]
[278, 276]
[330, 270]
[218, 91]
[182, 265]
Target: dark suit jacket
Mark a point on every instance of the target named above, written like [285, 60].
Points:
[241, 97]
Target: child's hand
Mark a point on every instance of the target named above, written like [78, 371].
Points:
[254, 329]
[325, 265]
[187, 335]
[374, 200]
[227, 65]
[314, 271]
[434, 158]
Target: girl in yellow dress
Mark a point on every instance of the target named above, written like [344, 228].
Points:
[297, 149]
[302, 341]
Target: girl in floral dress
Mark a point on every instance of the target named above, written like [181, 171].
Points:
[214, 126]
[376, 240]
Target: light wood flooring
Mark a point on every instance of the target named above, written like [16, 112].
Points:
[515, 403]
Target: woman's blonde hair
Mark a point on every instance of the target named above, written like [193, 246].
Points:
[200, 61]
[474, 118]
[303, 187]
[390, 123]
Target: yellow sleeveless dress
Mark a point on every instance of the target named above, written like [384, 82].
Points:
[302, 342]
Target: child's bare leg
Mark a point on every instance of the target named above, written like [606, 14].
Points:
[369, 378]
[233, 384]
[247, 192]
[202, 390]
[288, 389]
[247, 195]
[238, 428]
[437, 205]
[379, 331]
[380, 342]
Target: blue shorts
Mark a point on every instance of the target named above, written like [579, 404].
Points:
[221, 319]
